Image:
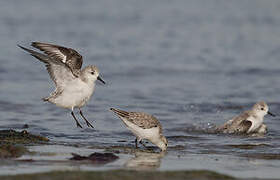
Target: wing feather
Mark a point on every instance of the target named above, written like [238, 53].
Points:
[238, 124]
[66, 55]
[143, 120]
[59, 72]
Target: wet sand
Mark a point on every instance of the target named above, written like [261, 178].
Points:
[41, 158]
[123, 175]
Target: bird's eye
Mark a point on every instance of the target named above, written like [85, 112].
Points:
[92, 72]
[262, 109]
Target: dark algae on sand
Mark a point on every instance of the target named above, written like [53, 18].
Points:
[12, 142]
[23, 137]
[11, 151]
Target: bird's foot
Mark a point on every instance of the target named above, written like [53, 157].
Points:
[79, 125]
[89, 125]
[141, 142]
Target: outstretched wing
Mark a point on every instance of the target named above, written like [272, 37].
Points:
[142, 120]
[66, 55]
[240, 123]
[59, 72]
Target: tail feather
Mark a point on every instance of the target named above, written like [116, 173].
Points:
[120, 112]
[37, 55]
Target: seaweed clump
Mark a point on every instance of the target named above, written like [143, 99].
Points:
[96, 158]
[12, 142]
[23, 137]
[11, 151]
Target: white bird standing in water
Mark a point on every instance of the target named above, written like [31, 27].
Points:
[74, 86]
[249, 121]
[143, 126]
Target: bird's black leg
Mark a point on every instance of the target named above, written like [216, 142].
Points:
[141, 142]
[88, 123]
[136, 145]
[77, 122]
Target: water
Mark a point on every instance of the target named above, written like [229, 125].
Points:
[192, 64]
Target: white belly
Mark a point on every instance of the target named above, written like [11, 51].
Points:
[256, 123]
[75, 95]
[262, 129]
[151, 134]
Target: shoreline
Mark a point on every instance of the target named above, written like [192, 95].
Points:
[122, 175]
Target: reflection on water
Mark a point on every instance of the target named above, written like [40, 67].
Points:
[145, 161]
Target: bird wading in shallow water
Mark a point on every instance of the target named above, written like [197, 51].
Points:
[74, 86]
[249, 121]
[143, 126]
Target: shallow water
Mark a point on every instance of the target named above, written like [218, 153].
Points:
[193, 64]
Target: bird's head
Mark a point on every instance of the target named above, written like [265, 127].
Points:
[91, 73]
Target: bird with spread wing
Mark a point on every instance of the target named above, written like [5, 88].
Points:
[74, 86]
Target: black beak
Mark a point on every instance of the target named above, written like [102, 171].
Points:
[99, 78]
[271, 114]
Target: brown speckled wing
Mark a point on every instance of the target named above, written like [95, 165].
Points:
[237, 124]
[140, 119]
[59, 72]
[66, 55]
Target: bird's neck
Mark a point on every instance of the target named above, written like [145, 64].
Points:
[259, 115]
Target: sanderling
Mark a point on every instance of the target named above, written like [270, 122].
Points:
[143, 126]
[74, 86]
[249, 121]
